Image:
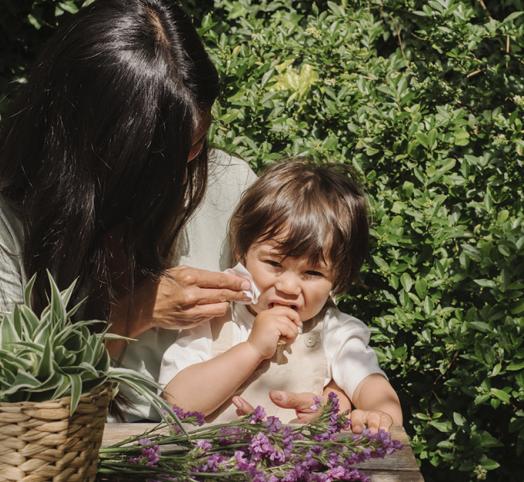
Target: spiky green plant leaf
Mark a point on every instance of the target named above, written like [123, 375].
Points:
[49, 356]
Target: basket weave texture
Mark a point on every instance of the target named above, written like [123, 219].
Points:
[40, 442]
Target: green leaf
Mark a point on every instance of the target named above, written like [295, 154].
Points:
[458, 419]
[428, 305]
[30, 321]
[58, 309]
[28, 290]
[421, 288]
[34, 21]
[8, 334]
[23, 380]
[443, 427]
[515, 366]
[69, 6]
[489, 464]
[45, 368]
[512, 16]
[480, 326]
[461, 138]
[485, 283]
[381, 263]
[406, 281]
[75, 382]
[518, 308]
[501, 395]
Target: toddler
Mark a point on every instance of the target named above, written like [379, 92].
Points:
[301, 231]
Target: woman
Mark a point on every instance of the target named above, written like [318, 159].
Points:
[103, 159]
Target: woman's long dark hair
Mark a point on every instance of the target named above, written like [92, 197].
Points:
[94, 154]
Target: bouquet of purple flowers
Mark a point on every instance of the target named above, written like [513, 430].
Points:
[254, 447]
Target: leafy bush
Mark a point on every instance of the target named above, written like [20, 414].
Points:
[425, 99]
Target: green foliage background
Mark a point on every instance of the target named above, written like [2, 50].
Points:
[426, 100]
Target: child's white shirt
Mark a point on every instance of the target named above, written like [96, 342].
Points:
[344, 339]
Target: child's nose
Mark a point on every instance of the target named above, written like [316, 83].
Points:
[288, 283]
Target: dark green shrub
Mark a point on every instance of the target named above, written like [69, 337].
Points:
[426, 101]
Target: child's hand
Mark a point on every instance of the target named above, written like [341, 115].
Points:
[270, 325]
[372, 419]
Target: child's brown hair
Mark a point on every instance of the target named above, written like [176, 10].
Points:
[311, 210]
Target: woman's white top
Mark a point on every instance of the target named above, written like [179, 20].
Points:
[12, 274]
[202, 244]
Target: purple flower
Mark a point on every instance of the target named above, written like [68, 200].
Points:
[273, 424]
[260, 446]
[288, 439]
[203, 444]
[317, 404]
[246, 465]
[193, 418]
[231, 435]
[150, 454]
[212, 463]
[342, 473]
[258, 415]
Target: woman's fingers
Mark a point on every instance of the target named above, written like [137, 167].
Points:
[200, 287]
[192, 316]
[203, 296]
[207, 279]
[184, 296]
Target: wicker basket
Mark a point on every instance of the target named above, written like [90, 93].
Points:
[40, 442]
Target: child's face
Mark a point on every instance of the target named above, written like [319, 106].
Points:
[290, 281]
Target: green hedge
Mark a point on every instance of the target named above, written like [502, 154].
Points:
[426, 101]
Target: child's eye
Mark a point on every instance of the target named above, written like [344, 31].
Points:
[272, 262]
[314, 273]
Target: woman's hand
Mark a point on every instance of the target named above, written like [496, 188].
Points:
[184, 297]
[181, 298]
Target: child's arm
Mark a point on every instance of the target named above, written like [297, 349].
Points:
[377, 404]
[205, 386]
[355, 368]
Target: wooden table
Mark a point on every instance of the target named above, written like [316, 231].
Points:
[398, 467]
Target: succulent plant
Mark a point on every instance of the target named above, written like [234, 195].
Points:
[49, 356]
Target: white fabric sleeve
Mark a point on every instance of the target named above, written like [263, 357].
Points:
[192, 346]
[349, 357]
[12, 277]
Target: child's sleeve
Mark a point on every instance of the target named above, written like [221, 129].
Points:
[349, 357]
[192, 346]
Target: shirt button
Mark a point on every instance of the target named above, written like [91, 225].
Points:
[311, 340]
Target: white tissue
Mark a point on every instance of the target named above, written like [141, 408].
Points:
[253, 292]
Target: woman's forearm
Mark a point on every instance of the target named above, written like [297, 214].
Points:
[205, 386]
[126, 321]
